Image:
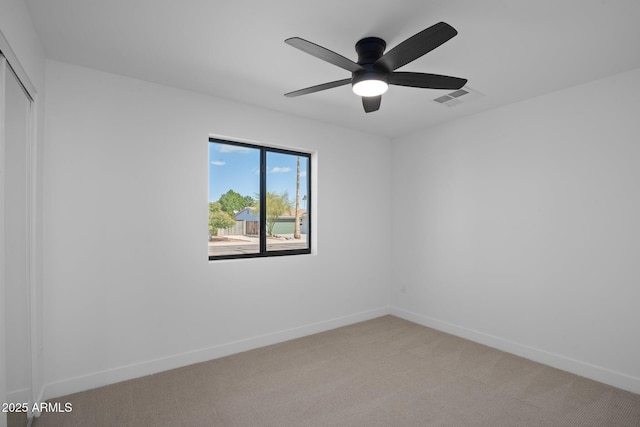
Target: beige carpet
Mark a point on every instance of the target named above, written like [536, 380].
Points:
[383, 372]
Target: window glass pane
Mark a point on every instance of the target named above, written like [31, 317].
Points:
[234, 188]
[287, 223]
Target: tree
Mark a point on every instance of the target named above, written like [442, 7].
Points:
[249, 202]
[219, 218]
[277, 205]
[296, 230]
[232, 202]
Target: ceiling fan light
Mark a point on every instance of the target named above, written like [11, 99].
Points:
[371, 87]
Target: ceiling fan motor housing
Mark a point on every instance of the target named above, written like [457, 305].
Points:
[370, 49]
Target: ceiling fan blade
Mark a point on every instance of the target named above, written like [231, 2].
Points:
[323, 53]
[371, 103]
[427, 81]
[416, 46]
[318, 88]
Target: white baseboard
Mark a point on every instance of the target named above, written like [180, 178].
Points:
[583, 369]
[123, 373]
[19, 396]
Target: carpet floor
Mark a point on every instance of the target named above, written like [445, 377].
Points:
[382, 372]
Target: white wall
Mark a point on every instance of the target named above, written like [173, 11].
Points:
[519, 228]
[129, 289]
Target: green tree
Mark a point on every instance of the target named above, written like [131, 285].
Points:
[277, 205]
[232, 202]
[296, 231]
[249, 202]
[219, 218]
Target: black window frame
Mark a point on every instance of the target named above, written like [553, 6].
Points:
[263, 252]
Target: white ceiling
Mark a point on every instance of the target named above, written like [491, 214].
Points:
[509, 50]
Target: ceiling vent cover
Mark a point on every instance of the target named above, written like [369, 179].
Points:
[458, 97]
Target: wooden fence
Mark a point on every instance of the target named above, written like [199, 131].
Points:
[241, 228]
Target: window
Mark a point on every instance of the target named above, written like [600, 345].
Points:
[259, 201]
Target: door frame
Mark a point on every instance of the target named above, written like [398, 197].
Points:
[11, 63]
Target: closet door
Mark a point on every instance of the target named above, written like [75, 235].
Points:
[15, 218]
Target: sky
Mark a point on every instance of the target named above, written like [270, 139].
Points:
[236, 168]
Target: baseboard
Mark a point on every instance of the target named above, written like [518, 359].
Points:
[583, 369]
[19, 396]
[123, 373]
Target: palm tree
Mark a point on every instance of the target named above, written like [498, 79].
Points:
[296, 231]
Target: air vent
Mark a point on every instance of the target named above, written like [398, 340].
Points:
[458, 93]
[443, 99]
[460, 96]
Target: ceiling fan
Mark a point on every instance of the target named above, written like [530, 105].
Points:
[375, 71]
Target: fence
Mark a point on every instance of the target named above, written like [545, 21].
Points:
[237, 229]
[241, 228]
